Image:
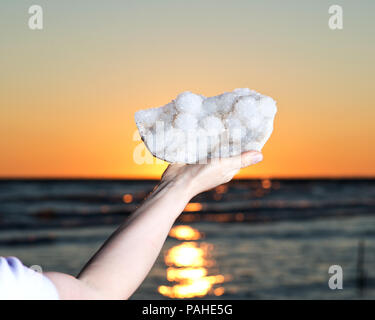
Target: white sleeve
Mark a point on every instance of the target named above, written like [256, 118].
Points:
[18, 282]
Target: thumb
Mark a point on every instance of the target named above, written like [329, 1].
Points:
[250, 157]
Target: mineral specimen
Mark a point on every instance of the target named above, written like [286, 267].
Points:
[193, 128]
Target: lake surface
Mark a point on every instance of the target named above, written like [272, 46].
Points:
[253, 239]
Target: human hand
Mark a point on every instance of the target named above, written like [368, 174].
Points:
[197, 178]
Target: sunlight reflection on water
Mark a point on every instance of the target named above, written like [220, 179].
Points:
[188, 267]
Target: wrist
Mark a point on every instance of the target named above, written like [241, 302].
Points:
[180, 187]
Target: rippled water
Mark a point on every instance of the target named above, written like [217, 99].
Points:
[248, 240]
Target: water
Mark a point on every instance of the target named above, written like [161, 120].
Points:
[246, 240]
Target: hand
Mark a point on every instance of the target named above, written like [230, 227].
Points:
[197, 178]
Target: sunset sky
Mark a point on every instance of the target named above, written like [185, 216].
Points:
[68, 93]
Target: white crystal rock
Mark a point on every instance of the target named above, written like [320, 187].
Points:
[193, 128]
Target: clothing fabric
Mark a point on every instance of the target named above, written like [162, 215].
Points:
[18, 282]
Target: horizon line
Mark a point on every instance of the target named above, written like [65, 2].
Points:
[119, 178]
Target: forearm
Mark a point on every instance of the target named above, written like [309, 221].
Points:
[122, 263]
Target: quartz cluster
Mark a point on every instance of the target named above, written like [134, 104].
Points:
[193, 128]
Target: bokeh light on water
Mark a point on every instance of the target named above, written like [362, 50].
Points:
[184, 233]
[188, 267]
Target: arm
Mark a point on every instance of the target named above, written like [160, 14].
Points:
[122, 263]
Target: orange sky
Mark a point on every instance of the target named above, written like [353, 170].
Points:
[68, 93]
